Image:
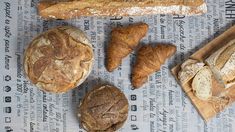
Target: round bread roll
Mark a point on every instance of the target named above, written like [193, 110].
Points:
[103, 109]
[59, 59]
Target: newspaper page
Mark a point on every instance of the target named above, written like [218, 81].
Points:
[159, 106]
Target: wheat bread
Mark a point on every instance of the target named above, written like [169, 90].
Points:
[59, 59]
[202, 83]
[66, 9]
[189, 69]
[222, 63]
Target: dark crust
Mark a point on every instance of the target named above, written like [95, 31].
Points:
[103, 109]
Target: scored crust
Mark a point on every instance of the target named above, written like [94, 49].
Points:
[103, 109]
[224, 97]
[222, 63]
[58, 59]
[72, 8]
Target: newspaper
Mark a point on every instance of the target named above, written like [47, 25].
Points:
[160, 105]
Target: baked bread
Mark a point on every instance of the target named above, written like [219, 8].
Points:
[202, 83]
[103, 109]
[62, 9]
[122, 43]
[149, 60]
[189, 69]
[222, 63]
[221, 98]
[59, 59]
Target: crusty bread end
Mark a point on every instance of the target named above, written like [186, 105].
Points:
[222, 64]
[71, 9]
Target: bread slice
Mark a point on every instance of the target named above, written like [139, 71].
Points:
[189, 69]
[222, 63]
[202, 83]
[65, 9]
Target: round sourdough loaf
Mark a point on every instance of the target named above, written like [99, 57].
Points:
[103, 109]
[59, 59]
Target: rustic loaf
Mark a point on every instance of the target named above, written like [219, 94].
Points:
[103, 109]
[65, 9]
[59, 59]
[222, 63]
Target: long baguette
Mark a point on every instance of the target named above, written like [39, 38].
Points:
[74, 8]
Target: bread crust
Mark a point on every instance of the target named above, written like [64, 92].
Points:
[222, 63]
[103, 109]
[224, 97]
[71, 9]
[59, 59]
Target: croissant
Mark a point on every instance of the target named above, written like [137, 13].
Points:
[123, 41]
[149, 60]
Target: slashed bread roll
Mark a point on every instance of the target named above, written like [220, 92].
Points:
[103, 109]
[202, 83]
[222, 63]
[59, 59]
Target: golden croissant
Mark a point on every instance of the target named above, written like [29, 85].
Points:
[149, 59]
[123, 41]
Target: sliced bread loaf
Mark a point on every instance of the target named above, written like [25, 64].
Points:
[222, 64]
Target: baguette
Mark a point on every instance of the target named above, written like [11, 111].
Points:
[66, 9]
[222, 63]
